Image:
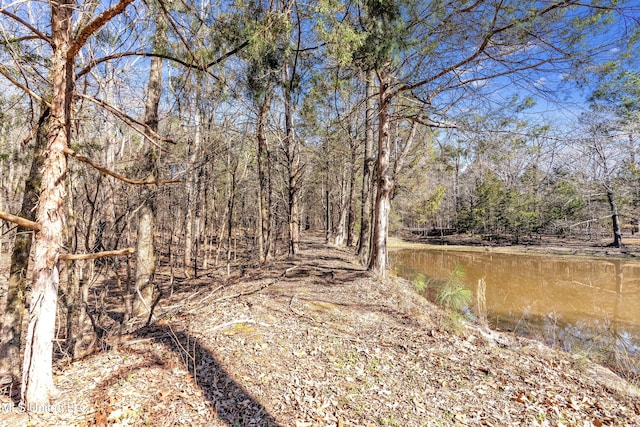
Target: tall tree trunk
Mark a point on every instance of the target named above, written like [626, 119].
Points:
[11, 337]
[367, 173]
[384, 182]
[145, 246]
[191, 193]
[37, 376]
[351, 212]
[615, 220]
[264, 187]
[327, 197]
[340, 232]
[293, 166]
[231, 205]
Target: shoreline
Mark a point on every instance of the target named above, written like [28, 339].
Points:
[549, 247]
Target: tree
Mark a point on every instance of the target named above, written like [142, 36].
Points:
[11, 338]
[442, 55]
[37, 379]
[145, 243]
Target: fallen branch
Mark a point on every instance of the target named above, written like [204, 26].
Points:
[238, 322]
[175, 308]
[76, 257]
[253, 291]
[22, 222]
[590, 220]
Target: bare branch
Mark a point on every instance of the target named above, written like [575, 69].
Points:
[22, 222]
[106, 171]
[98, 61]
[434, 124]
[77, 257]
[481, 48]
[228, 54]
[23, 87]
[147, 133]
[94, 26]
[33, 29]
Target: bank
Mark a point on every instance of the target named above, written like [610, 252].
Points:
[318, 341]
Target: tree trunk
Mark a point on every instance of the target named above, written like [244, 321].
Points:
[293, 166]
[37, 376]
[145, 246]
[340, 232]
[11, 337]
[384, 183]
[145, 261]
[367, 174]
[191, 194]
[615, 220]
[231, 205]
[351, 212]
[264, 190]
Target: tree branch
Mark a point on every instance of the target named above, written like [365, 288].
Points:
[98, 61]
[228, 54]
[106, 171]
[482, 47]
[24, 88]
[94, 26]
[103, 254]
[33, 29]
[130, 121]
[22, 222]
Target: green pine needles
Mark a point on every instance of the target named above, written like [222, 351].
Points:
[455, 295]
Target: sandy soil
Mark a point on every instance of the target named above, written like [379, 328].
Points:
[318, 341]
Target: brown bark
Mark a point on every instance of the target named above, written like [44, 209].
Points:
[351, 212]
[340, 231]
[615, 221]
[37, 377]
[11, 337]
[293, 167]
[189, 214]
[145, 246]
[145, 261]
[264, 185]
[384, 182]
[367, 174]
[103, 254]
[22, 222]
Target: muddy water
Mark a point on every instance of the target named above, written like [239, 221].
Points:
[566, 301]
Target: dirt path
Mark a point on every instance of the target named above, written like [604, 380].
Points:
[317, 341]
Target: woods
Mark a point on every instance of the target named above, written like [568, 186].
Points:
[208, 134]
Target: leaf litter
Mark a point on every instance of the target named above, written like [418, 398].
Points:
[318, 341]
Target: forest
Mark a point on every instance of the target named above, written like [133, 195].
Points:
[188, 135]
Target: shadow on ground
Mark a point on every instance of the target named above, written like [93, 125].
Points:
[232, 403]
[227, 400]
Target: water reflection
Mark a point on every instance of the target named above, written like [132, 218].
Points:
[564, 300]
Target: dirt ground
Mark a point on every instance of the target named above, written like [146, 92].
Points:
[318, 341]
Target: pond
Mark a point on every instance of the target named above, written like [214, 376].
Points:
[588, 303]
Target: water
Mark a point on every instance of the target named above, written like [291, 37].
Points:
[570, 302]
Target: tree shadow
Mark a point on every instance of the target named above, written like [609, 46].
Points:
[232, 403]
